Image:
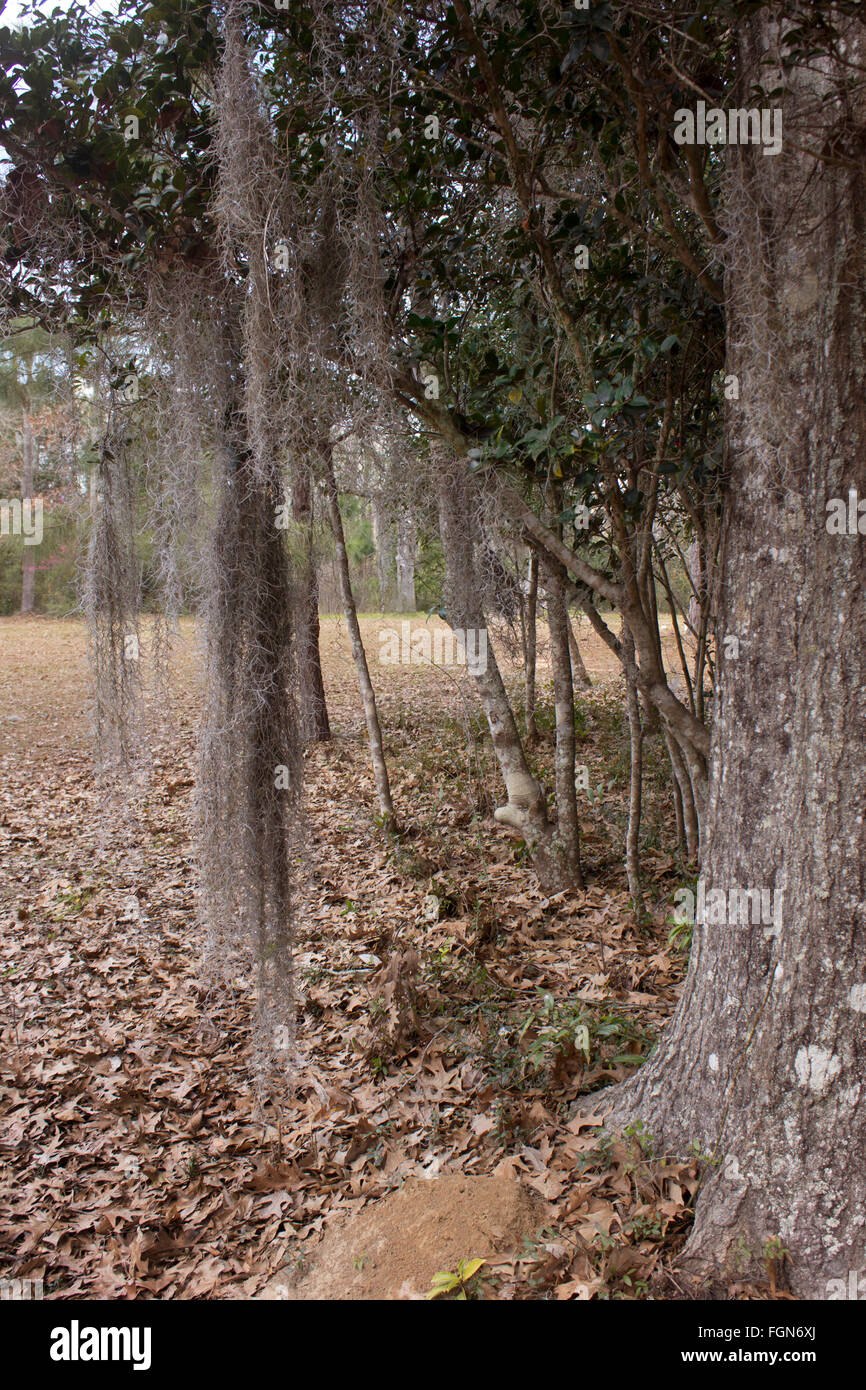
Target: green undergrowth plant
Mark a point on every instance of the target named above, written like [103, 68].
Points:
[460, 1285]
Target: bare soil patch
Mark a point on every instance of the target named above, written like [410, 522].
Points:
[394, 1248]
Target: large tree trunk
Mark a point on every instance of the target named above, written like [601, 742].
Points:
[315, 725]
[763, 1064]
[28, 562]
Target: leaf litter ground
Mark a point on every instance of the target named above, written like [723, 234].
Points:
[450, 1014]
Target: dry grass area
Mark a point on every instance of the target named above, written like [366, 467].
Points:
[449, 1013]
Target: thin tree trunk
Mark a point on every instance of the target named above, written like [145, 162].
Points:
[596, 621]
[672, 604]
[687, 800]
[707, 618]
[635, 732]
[650, 713]
[28, 562]
[315, 724]
[383, 540]
[690, 733]
[530, 647]
[695, 566]
[678, 804]
[368, 696]
[405, 560]
[568, 825]
[582, 678]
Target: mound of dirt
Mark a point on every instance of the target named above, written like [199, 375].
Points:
[392, 1249]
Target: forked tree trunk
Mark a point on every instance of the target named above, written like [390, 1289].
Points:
[315, 725]
[526, 809]
[368, 695]
[28, 562]
[763, 1063]
[684, 798]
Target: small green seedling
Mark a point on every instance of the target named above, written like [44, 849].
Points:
[446, 1282]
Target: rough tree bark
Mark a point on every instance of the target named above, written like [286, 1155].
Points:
[763, 1062]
